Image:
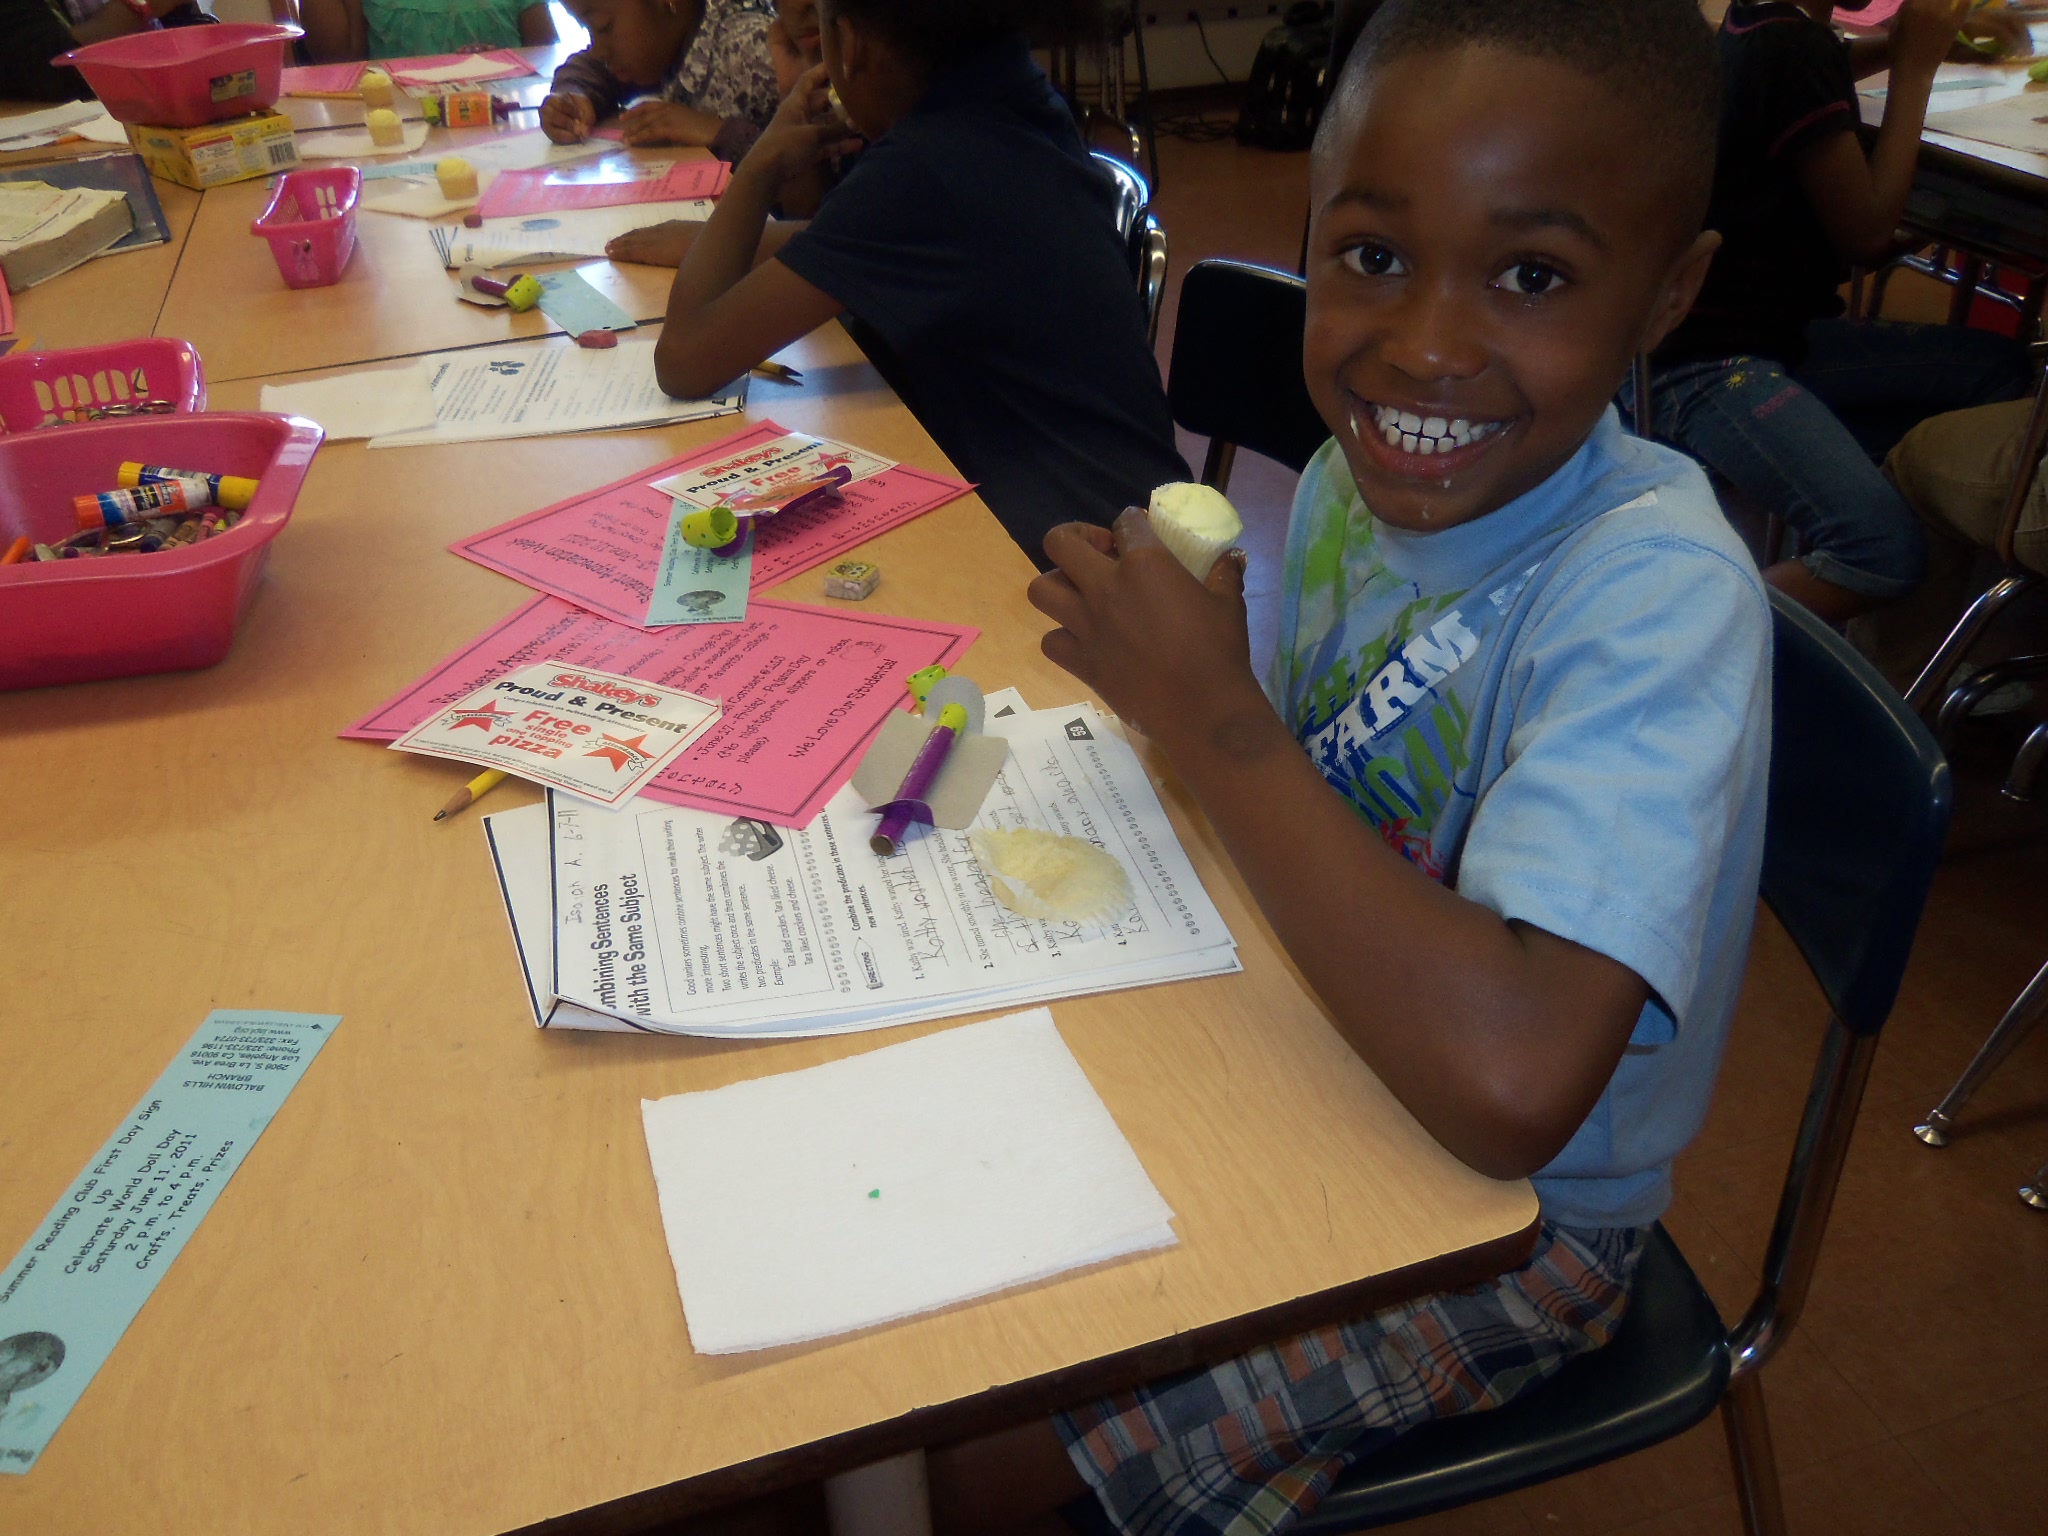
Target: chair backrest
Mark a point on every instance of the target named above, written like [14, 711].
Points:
[1859, 806]
[1235, 376]
[1144, 241]
[1859, 803]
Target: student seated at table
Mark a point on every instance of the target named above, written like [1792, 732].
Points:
[338, 30]
[1501, 796]
[1763, 384]
[32, 32]
[974, 237]
[707, 63]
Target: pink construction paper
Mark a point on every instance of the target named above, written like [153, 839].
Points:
[804, 691]
[326, 79]
[601, 550]
[514, 67]
[517, 193]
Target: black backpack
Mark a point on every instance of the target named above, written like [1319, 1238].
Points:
[1284, 98]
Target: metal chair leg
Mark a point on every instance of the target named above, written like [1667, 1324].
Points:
[1749, 1449]
[1942, 664]
[2022, 1016]
[2026, 765]
[2036, 1193]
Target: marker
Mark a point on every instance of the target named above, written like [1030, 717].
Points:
[470, 793]
[234, 492]
[909, 804]
[18, 551]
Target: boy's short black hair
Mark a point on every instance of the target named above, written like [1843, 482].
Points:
[933, 33]
[1658, 56]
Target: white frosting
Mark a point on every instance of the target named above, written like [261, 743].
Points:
[1200, 509]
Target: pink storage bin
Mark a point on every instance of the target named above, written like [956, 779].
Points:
[41, 389]
[310, 223]
[73, 621]
[180, 77]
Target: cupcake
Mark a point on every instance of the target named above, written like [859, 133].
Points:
[1196, 523]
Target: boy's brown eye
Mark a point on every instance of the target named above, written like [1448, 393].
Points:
[1531, 278]
[1373, 261]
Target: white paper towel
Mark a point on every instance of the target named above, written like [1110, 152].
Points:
[369, 404]
[891, 1183]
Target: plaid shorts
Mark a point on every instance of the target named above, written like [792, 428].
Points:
[1247, 1447]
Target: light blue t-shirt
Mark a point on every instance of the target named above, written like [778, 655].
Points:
[1562, 711]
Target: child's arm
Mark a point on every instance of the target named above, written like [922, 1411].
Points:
[1859, 202]
[537, 27]
[335, 30]
[725, 313]
[1497, 1035]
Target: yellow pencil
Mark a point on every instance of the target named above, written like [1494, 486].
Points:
[471, 792]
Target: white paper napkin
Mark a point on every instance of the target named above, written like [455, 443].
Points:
[360, 404]
[891, 1183]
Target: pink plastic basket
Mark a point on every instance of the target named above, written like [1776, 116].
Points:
[310, 223]
[121, 378]
[72, 621]
[181, 77]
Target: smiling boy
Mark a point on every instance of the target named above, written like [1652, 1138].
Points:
[1502, 796]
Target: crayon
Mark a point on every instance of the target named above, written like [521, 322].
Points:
[18, 551]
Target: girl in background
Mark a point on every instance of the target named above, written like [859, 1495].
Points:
[708, 62]
[341, 30]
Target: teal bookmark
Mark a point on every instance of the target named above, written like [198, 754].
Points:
[82, 1276]
[700, 586]
[567, 298]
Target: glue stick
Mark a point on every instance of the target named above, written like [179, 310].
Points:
[115, 509]
[234, 492]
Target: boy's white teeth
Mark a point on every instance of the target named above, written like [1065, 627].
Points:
[1429, 435]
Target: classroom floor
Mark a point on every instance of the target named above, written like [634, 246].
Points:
[1913, 1396]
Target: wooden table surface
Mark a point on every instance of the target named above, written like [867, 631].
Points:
[437, 1299]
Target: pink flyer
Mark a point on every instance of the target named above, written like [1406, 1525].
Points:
[323, 79]
[459, 69]
[608, 183]
[601, 550]
[803, 691]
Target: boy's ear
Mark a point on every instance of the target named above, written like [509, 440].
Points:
[1681, 287]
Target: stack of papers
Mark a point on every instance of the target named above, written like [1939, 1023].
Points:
[891, 1183]
[682, 922]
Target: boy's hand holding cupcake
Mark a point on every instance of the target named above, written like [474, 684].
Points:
[1167, 650]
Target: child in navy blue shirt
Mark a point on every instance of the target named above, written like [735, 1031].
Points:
[974, 236]
[1763, 383]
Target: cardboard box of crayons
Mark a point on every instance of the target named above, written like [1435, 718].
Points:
[216, 153]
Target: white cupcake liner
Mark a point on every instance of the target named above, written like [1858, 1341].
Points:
[1196, 551]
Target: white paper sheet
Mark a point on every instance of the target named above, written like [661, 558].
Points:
[48, 125]
[535, 389]
[568, 232]
[103, 129]
[818, 935]
[416, 197]
[912, 1177]
[360, 404]
[2015, 122]
[356, 143]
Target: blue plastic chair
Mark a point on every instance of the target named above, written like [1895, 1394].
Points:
[1859, 802]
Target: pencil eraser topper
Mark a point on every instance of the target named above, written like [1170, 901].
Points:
[921, 682]
[949, 692]
[709, 527]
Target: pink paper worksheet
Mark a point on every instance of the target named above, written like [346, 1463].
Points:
[323, 79]
[459, 69]
[804, 690]
[601, 550]
[609, 183]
